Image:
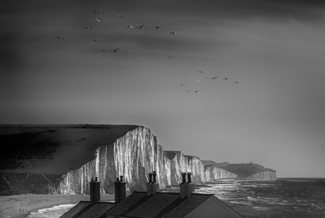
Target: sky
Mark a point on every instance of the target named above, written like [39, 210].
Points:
[270, 110]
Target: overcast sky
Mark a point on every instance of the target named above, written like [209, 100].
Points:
[275, 50]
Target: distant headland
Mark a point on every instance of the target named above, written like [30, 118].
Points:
[242, 170]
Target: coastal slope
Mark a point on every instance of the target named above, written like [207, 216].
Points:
[62, 159]
[37, 157]
[246, 171]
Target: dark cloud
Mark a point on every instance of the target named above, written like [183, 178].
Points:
[278, 9]
[17, 18]
[10, 58]
[301, 9]
[272, 8]
[299, 3]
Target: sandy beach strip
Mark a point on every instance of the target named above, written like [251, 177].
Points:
[20, 206]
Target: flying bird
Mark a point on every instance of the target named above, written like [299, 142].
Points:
[171, 57]
[172, 33]
[88, 28]
[97, 12]
[59, 37]
[95, 40]
[226, 78]
[103, 50]
[157, 27]
[115, 50]
[236, 82]
[200, 71]
[196, 91]
[97, 19]
[120, 16]
[214, 77]
[140, 26]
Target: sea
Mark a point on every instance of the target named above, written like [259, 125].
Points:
[281, 198]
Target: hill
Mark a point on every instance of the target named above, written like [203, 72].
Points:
[53, 149]
[242, 170]
[219, 165]
[63, 158]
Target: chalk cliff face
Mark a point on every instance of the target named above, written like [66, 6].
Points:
[212, 173]
[106, 152]
[250, 171]
[196, 167]
[266, 175]
[133, 156]
[178, 164]
[167, 175]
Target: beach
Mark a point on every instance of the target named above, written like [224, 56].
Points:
[20, 206]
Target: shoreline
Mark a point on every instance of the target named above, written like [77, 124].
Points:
[21, 206]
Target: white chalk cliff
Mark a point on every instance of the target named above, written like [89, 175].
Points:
[134, 156]
[64, 158]
[265, 175]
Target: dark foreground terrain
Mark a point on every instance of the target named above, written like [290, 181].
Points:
[20, 206]
[37, 155]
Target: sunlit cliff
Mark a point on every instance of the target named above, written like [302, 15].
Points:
[71, 155]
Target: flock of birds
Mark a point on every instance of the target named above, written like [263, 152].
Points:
[98, 20]
[205, 78]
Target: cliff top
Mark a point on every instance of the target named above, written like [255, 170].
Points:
[211, 162]
[241, 170]
[54, 149]
[170, 154]
[190, 156]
